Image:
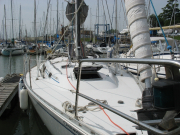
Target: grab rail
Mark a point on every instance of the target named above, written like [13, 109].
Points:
[125, 60]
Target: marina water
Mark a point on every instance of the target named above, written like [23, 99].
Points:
[14, 121]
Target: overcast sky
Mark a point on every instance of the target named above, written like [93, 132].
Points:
[27, 11]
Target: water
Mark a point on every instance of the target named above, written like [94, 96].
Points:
[14, 121]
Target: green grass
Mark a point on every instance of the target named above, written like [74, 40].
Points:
[87, 39]
[176, 37]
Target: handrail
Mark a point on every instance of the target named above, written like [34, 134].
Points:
[125, 60]
[135, 60]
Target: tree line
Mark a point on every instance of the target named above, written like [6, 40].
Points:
[169, 16]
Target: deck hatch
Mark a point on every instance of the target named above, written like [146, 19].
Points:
[88, 72]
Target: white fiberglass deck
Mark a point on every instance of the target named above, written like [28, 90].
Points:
[112, 88]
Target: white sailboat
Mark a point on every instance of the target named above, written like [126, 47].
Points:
[88, 96]
[12, 49]
[100, 48]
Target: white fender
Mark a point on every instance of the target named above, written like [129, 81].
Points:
[23, 98]
[109, 52]
[20, 86]
[1, 78]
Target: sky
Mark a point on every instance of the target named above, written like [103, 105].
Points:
[27, 14]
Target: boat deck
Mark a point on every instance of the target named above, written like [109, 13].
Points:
[111, 88]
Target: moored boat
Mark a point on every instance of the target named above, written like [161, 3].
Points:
[12, 49]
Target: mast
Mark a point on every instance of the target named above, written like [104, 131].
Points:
[116, 29]
[26, 35]
[22, 30]
[90, 25]
[63, 23]
[10, 31]
[35, 22]
[20, 23]
[3, 28]
[98, 20]
[53, 26]
[57, 19]
[77, 29]
[63, 13]
[43, 24]
[12, 23]
[40, 27]
[59, 22]
[50, 24]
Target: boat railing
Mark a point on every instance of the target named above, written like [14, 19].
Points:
[147, 125]
[142, 124]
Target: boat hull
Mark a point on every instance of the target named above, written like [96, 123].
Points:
[34, 52]
[49, 119]
[100, 50]
[31, 52]
[6, 52]
[56, 123]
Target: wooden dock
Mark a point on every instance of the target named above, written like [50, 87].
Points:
[8, 89]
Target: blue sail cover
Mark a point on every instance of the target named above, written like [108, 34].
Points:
[153, 42]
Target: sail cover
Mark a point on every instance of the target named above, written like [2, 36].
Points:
[70, 9]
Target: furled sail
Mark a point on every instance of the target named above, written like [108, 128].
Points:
[139, 31]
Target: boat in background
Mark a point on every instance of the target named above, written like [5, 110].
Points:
[160, 51]
[56, 48]
[100, 48]
[12, 49]
[33, 49]
[159, 44]
[37, 49]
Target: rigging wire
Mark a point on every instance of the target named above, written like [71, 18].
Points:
[104, 11]
[109, 14]
[37, 7]
[168, 46]
[113, 13]
[46, 17]
[173, 13]
[119, 18]
[148, 8]
[125, 19]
